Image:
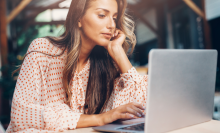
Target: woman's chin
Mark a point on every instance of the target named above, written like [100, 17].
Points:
[103, 43]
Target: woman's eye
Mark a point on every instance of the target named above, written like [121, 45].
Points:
[101, 15]
[115, 19]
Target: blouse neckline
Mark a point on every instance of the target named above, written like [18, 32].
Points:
[85, 68]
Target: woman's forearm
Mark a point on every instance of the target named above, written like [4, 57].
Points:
[88, 121]
[124, 112]
[122, 60]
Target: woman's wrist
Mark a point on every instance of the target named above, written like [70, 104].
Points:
[100, 119]
[121, 59]
[118, 52]
[89, 120]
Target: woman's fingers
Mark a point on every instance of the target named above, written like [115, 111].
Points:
[138, 111]
[116, 33]
[124, 112]
[138, 105]
[133, 109]
[126, 116]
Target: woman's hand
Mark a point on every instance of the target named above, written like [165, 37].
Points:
[127, 111]
[115, 45]
[117, 53]
[124, 112]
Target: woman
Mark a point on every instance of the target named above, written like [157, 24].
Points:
[82, 78]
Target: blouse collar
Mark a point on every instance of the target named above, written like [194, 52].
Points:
[85, 69]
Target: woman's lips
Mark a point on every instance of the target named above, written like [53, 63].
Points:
[107, 35]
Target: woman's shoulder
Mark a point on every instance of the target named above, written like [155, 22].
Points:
[43, 45]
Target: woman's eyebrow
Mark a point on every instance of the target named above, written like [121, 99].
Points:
[106, 10]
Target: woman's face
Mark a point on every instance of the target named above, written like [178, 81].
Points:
[99, 22]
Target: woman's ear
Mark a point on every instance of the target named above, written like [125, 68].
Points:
[79, 24]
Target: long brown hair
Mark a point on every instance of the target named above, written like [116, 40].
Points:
[102, 69]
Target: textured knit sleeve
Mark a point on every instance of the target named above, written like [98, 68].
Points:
[32, 110]
[129, 87]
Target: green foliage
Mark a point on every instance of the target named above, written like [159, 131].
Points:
[50, 30]
[7, 83]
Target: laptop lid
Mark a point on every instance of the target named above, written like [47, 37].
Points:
[180, 90]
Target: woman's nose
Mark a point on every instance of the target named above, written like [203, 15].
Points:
[111, 23]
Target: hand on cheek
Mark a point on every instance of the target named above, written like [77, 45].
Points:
[115, 45]
[117, 39]
[116, 36]
[117, 52]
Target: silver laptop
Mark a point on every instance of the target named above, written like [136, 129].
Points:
[180, 92]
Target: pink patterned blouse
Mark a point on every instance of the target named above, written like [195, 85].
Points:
[38, 103]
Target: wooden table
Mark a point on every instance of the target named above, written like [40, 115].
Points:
[212, 126]
[207, 127]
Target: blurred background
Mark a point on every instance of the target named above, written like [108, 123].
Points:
[166, 24]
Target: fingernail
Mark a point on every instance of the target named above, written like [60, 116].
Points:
[132, 116]
[139, 114]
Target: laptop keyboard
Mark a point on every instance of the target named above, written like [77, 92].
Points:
[138, 127]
